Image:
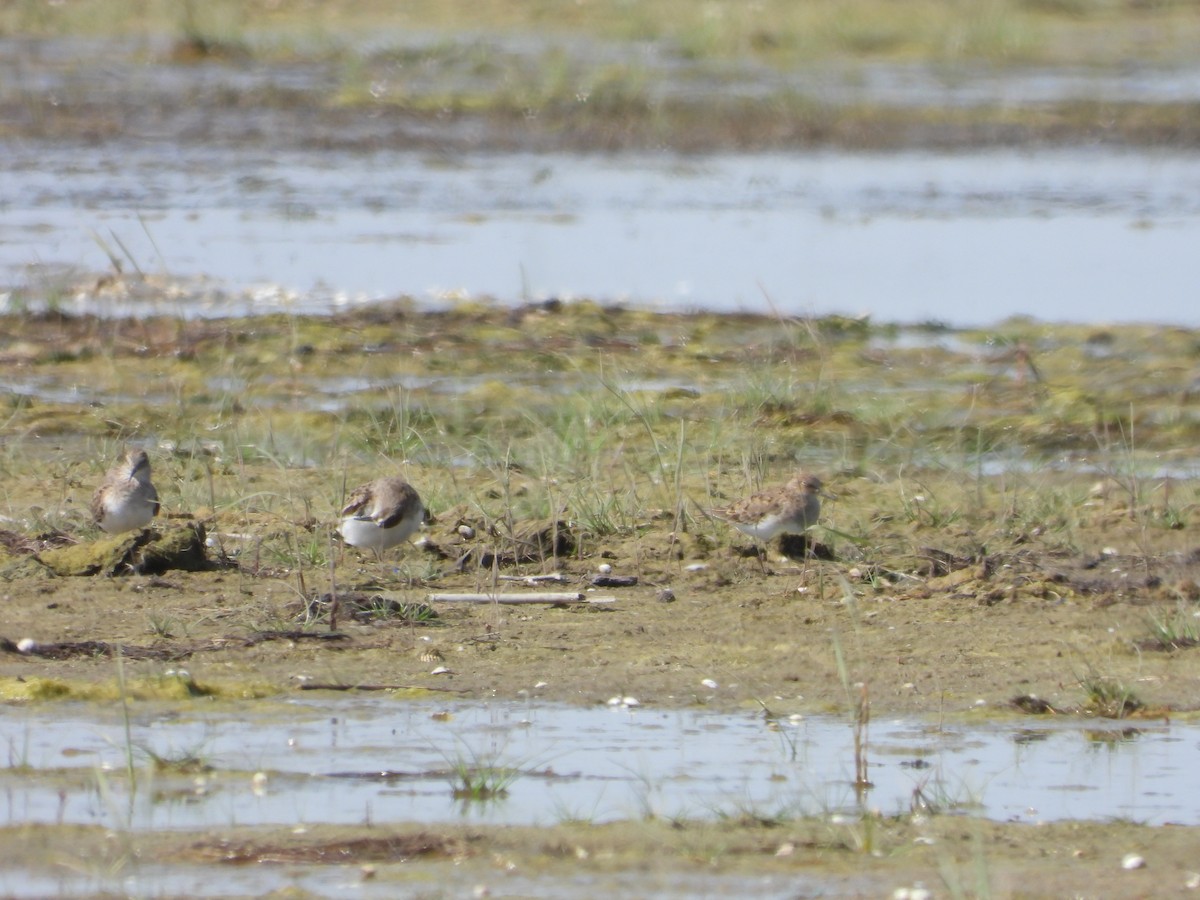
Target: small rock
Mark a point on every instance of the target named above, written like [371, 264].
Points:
[1133, 861]
[666, 595]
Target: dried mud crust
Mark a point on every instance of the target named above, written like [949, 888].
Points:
[970, 633]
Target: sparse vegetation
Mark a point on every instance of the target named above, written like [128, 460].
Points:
[990, 506]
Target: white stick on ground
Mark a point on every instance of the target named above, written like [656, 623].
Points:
[565, 597]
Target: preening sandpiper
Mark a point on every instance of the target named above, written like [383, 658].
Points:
[126, 499]
[791, 509]
[381, 514]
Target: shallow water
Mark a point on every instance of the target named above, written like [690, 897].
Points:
[966, 239]
[357, 760]
[372, 759]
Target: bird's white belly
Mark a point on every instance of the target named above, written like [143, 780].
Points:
[127, 517]
[359, 532]
[766, 528]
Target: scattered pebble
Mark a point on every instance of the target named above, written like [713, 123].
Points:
[623, 701]
[666, 595]
[604, 569]
[1133, 861]
[26, 645]
[695, 567]
[440, 670]
[466, 531]
[709, 683]
[786, 849]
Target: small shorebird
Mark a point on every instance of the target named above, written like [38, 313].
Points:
[381, 514]
[791, 509]
[126, 499]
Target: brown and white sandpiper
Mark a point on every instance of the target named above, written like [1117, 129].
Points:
[126, 500]
[381, 514]
[790, 509]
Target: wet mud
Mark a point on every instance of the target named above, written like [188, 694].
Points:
[1014, 534]
[1020, 561]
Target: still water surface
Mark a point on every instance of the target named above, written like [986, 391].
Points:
[377, 760]
[965, 239]
[354, 760]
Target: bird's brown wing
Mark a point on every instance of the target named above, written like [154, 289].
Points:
[359, 499]
[97, 506]
[408, 501]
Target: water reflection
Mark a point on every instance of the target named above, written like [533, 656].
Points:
[377, 760]
[967, 239]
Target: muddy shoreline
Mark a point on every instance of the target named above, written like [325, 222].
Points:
[1013, 538]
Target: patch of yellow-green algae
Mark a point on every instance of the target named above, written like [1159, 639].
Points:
[166, 687]
[176, 547]
[777, 32]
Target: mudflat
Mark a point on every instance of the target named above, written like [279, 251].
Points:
[1013, 534]
[1009, 536]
